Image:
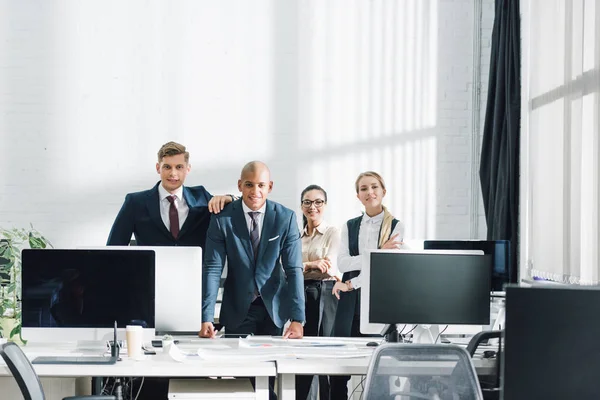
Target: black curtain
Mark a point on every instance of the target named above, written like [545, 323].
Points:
[499, 167]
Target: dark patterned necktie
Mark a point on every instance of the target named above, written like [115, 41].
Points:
[173, 217]
[254, 237]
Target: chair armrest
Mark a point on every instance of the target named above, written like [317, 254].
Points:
[480, 337]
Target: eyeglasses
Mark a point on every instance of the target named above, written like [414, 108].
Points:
[318, 203]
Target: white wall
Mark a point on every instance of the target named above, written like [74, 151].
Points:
[319, 90]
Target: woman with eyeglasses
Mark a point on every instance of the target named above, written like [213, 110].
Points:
[320, 244]
[375, 229]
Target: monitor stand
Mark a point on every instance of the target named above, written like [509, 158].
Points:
[391, 331]
[426, 334]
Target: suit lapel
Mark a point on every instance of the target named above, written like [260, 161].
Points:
[192, 213]
[153, 206]
[267, 229]
[240, 227]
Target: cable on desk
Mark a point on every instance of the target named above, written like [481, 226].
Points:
[440, 334]
[402, 330]
[406, 334]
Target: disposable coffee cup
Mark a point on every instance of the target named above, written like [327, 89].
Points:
[135, 339]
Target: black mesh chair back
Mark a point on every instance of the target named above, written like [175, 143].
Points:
[421, 371]
[23, 371]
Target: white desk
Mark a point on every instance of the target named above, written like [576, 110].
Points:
[284, 360]
[152, 366]
[287, 369]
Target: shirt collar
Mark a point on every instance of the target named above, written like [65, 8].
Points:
[373, 220]
[247, 209]
[321, 229]
[163, 194]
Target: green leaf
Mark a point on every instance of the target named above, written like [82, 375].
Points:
[22, 340]
[16, 330]
[35, 242]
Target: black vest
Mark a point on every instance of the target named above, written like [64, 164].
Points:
[353, 231]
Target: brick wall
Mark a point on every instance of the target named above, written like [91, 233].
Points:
[319, 90]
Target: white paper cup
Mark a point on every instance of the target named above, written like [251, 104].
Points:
[135, 340]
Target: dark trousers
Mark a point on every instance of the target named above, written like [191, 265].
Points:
[258, 322]
[347, 324]
[320, 307]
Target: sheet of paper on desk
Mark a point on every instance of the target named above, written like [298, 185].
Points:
[253, 341]
[244, 354]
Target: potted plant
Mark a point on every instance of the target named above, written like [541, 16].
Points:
[12, 241]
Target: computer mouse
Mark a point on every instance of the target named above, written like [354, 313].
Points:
[372, 344]
[489, 354]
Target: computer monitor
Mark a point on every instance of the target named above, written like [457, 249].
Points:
[552, 349]
[85, 291]
[425, 288]
[178, 287]
[498, 249]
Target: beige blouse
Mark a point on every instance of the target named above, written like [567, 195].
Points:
[324, 242]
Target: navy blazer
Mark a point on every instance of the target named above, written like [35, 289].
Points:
[277, 273]
[140, 216]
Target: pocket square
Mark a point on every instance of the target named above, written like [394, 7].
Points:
[270, 240]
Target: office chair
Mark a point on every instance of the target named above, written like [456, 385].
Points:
[26, 377]
[490, 385]
[421, 371]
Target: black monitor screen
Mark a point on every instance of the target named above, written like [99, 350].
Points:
[552, 348]
[426, 288]
[498, 249]
[87, 288]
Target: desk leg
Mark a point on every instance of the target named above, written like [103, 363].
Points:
[262, 388]
[96, 385]
[286, 387]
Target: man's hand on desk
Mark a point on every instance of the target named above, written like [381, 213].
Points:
[294, 331]
[207, 330]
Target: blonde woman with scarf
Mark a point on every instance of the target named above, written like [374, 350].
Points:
[375, 229]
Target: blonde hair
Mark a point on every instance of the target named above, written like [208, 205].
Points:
[172, 149]
[372, 174]
[386, 225]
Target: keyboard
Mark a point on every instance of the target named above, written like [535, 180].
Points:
[87, 360]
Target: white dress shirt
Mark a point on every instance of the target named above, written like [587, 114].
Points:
[259, 218]
[182, 208]
[368, 239]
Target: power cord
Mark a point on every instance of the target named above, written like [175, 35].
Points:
[139, 390]
[440, 334]
[406, 334]
[359, 384]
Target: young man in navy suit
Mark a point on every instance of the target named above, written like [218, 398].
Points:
[261, 242]
[169, 214]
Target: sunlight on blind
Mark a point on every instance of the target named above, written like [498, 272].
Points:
[562, 194]
[371, 104]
